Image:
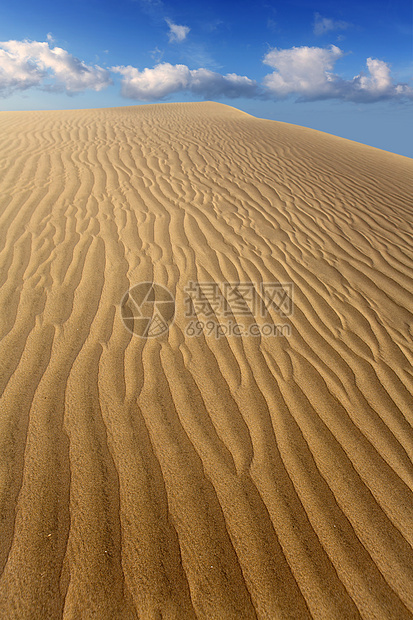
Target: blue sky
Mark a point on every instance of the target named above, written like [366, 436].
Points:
[346, 69]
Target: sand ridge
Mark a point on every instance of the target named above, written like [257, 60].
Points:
[195, 477]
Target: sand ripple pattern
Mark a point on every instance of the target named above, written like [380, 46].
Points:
[184, 477]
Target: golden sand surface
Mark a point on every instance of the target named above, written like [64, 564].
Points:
[203, 477]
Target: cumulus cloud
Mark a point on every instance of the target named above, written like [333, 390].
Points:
[303, 70]
[211, 84]
[322, 25]
[24, 64]
[176, 33]
[165, 79]
[308, 73]
[149, 84]
[378, 84]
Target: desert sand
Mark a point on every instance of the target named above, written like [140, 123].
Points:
[202, 477]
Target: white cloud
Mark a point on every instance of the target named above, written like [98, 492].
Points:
[151, 84]
[165, 79]
[322, 25]
[308, 73]
[176, 33]
[211, 84]
[24, 64]
[379, 80]
[157, 54]
[303, 70]
[17, 73]
[378, 84]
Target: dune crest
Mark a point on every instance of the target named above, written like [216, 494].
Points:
[192, 476]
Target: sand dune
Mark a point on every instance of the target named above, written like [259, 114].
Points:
[203, 477]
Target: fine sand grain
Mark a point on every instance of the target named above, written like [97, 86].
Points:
[195, 477]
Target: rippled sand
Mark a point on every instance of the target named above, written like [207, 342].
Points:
[194, 477]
